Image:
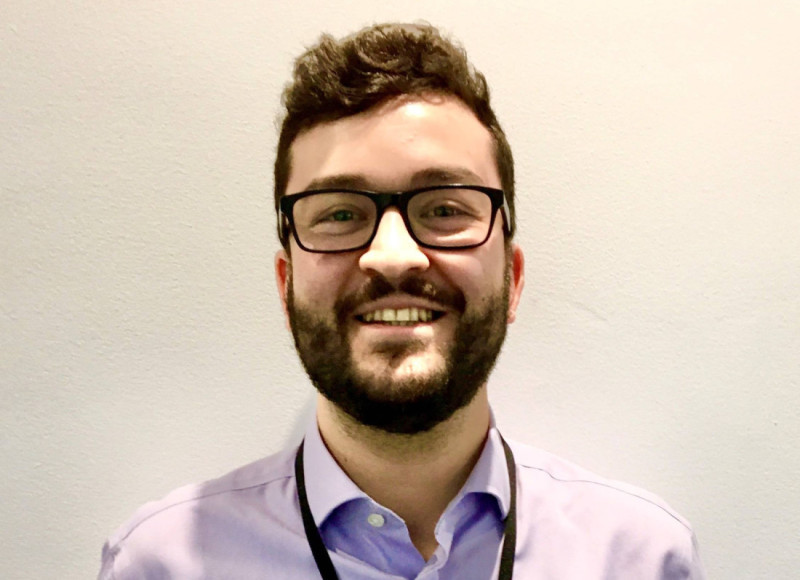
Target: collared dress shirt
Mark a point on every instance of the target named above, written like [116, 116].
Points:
[571, 524]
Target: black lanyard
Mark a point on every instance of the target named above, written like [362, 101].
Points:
[323, 559]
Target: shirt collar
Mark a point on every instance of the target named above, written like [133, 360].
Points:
[490, 474]
[328, 486]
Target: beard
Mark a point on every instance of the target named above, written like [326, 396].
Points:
[411, 404]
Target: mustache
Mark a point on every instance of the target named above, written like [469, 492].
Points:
[379, 287]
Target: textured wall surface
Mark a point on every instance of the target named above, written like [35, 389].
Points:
[141, 341]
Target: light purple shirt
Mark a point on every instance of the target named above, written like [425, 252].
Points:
[571, 524]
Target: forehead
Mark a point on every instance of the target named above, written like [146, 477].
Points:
[404, 143]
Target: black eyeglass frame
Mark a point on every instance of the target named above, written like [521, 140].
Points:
[400, 200]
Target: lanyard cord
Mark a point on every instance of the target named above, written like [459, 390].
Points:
[323, 559]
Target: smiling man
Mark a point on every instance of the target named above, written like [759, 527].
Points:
[398, 275]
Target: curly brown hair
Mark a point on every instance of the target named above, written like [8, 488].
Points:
[337, 78]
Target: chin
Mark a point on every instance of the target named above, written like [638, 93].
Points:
[415, 367]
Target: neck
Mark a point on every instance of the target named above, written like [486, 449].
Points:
[415, 476]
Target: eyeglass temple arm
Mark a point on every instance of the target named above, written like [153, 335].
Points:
[507, 215]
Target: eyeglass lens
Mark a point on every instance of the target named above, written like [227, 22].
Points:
[447, 218]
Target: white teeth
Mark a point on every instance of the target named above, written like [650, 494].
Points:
[401, 316]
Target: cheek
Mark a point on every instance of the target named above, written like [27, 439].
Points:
[478, 276]
[482, 272]
[318, 280]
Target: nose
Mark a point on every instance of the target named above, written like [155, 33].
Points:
[393, 252]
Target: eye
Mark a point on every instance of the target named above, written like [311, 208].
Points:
[339, 215]
[444, 211]
[338, 220]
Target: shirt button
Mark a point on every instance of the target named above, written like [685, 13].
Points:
[376, 520]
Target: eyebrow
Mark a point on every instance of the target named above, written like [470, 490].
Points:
[422, 178]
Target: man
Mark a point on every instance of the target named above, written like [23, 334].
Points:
[395, 196]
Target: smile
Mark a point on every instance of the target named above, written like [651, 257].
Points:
[401, 316]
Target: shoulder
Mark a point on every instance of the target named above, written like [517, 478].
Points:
[266, 475]
[570, 507]
[168, 532]
[546, 471]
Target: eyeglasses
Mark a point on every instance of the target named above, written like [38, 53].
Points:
[452, 217]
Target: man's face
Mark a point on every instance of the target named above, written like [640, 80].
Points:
[399, 377]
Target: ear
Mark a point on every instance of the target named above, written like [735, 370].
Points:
[517, 281]
[283, 277]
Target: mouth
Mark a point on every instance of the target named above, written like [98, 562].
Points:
[400, 316]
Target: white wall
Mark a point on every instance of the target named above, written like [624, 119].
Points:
[141, 342]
